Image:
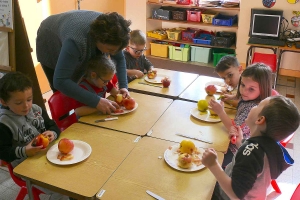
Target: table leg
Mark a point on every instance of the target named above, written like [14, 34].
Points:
[29, 189]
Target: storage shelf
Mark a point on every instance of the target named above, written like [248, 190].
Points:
[191, 43]
[235, 26]
[188, 6]
[210, 64]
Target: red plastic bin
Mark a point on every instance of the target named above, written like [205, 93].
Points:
[189, 34]
[184, 2]
[194, 15]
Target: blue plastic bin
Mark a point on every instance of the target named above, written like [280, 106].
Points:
[224, 20]
[203, 39]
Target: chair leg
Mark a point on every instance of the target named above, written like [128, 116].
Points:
[275, 186]
[22, 193]
[36, 193]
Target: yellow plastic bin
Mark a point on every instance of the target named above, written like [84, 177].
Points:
[180, 53]
[201, 54]
[160, 50]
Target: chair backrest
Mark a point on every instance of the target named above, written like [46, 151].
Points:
[268, 59]
[62, 110]
[287, 140]
[296, 194]
[16, 179]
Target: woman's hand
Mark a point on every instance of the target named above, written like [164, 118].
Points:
[124, 92]
[209, 157]
[106, 106]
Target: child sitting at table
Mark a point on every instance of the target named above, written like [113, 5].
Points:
[136, 62]
[21, 122]
[229, 69]
[261, 157]
[97, 79]
[254, 86]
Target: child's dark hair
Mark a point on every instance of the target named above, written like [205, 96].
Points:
[226, 62]
[111, 28]
[13, 82]
[137, 37]
[282, 118]
[101, 65]
[261, 74]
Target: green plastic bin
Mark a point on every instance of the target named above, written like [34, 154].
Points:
[219, 53]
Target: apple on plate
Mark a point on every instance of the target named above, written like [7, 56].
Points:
[185, 160]
[166, 82]
[152, 74]
[41, 140]
[211, 89]
[65, 146]
[119, 99]
[129, 103]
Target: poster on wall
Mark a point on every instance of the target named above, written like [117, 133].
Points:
[4, 54]
[6, 14]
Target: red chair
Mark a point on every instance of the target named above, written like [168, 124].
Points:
[283, 143]
[23, 192]
[296, 194]
[268, 59]
[62, 110]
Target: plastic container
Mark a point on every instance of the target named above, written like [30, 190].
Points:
[164, 13]
[219, 53]
[203, 38]
[181, 53]
[223, 39]
[184, 2]
[189, 34]
[194, 15]
[200, 54]
[179, 15]
[207, 16]
[160, 50]
[158, 34]
[224, 20]
[174, 34]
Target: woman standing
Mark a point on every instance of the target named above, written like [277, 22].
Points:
[67, 41]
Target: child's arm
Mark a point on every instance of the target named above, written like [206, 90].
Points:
[50, 125]
[219, 110]
[209, 159]
[85, 110]
[135, 72]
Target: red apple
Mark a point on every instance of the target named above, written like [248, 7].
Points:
[65, 146]
[166, 82]
[129, 103]
[211, 89]
[41, 140]
[119, 99]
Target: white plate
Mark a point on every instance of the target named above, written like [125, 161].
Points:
[171, 157]
[204, 116]
[219, 85]
[157, 79]
[126, 111]
[81, 151]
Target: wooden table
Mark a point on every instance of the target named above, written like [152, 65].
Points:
[196, 90]
[138, 122]
[179, 82]
[177, 119]
[145, 169]
[84, 179]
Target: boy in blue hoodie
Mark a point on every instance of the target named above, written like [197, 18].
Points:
[21, 121]
[260, 158]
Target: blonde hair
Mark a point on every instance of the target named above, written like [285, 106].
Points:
[137, 37]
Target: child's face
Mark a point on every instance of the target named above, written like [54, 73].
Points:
[253, 115]
[249, 89]
[136, 50]
[101, 81]
[20, 102]
[231, 76]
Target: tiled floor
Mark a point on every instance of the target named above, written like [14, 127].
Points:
[287, 181]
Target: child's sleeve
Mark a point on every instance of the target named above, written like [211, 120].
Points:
[50, 124]
[147, 64]
[7, 150]
[249, 163]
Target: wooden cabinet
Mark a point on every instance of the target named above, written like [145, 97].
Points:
[195, 67]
